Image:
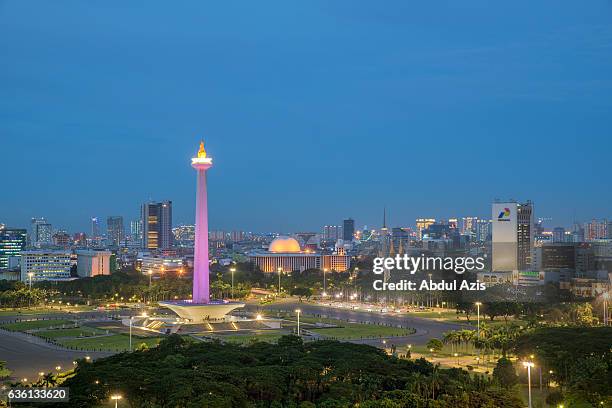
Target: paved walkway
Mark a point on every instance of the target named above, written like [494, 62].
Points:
[27, 355]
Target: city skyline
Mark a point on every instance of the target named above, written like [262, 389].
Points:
[447, 117]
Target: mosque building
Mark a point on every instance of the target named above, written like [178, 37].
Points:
[286, 253]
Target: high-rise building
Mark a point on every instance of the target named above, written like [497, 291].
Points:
[422, 224]
[512, 236]
[95, 228]
[468, 225]
[483, 230]
[80, 239]
[577, 233]
[525, 235]
[348, 229]
[237, 236]
[157, 225]
[136, 230]
[558, 234]
[115, 230]
[332, 232]
[40, 233]
[62, 239]
[45, 265]
[12, 242]
[596, 229]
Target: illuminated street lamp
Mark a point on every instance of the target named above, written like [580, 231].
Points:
[324, 281]
[606, 297]
[116, 398]
[529, 365]
[58, 368]
[30, 274]
[280, 270]
[298, 311]
[232, 270]
[457, 357]
[478, 304]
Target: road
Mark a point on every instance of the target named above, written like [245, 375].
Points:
[28, 355]
[425, 328]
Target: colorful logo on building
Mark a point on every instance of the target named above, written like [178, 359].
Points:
[504, 215]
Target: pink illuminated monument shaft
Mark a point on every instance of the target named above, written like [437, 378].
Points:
[201, 290]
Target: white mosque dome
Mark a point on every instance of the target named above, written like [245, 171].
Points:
[284, 245]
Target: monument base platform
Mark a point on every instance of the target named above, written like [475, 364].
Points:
[201, 312]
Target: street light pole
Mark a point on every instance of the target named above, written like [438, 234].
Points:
[606, 296]
[116, 398]
[232, 270]
[478, 314]
[528, 365]
[298, 321]
[30, 294]
[324, 282]
[280, 270]
[131, 317]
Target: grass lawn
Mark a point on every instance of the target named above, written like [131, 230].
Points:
[21, 311]
[113, 342]
[269, 338]
[80, 331]
[36, 324]
[452, 317]
[357, 331]
[25, 311]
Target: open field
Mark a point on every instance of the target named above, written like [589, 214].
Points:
[82, 331]
[36, 324]
[26, 311]
[113, 342]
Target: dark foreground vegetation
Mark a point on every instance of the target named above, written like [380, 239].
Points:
[290, 374]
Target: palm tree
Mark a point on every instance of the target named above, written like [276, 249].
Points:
[419, 384]
[450, 337]
[435, 381]
[49, 380]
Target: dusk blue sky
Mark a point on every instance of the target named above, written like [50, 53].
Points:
[313, 111]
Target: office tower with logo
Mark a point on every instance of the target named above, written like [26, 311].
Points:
[512, 236]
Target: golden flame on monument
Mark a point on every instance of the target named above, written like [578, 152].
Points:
[202, 151]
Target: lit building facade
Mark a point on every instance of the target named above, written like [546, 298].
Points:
[157, 225]
[158, 265]
[285, 253]
[115, 230]
[423, 224]
[12, 243]
[45, 265]
[93, 263]
[512, 236]
[41, 234]
[62, 239]
[332, 232]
